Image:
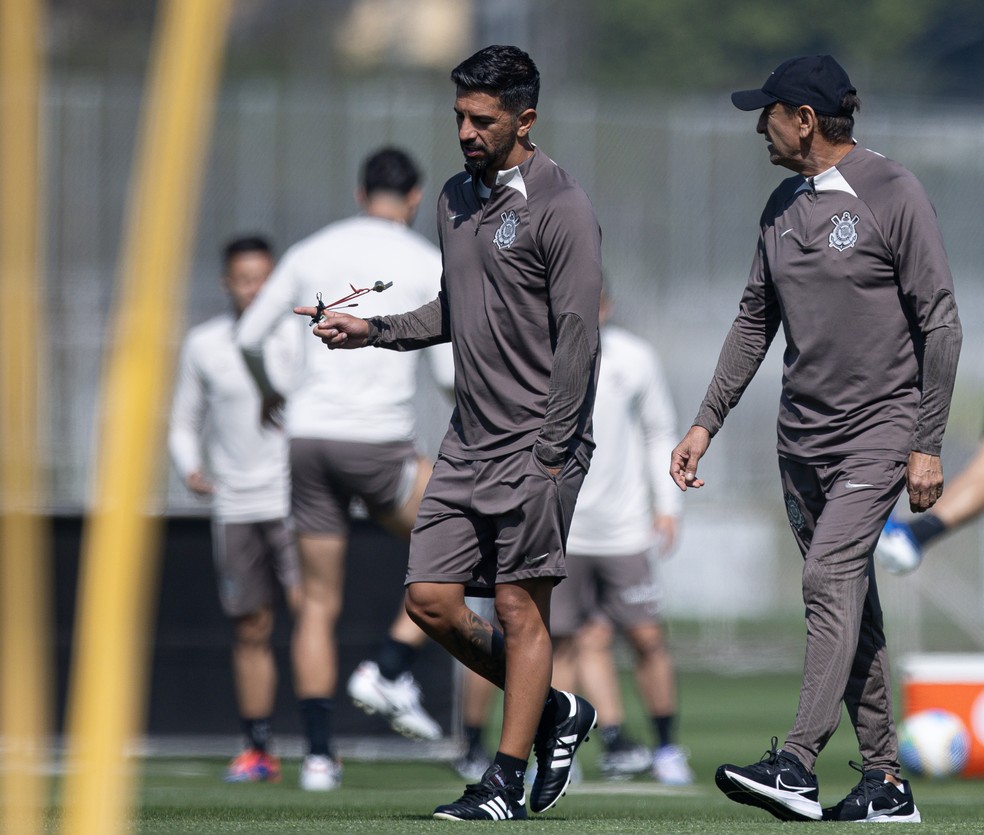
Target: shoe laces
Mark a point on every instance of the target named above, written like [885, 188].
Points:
[483, 790]
[870, 782]
[479, 791]
[775, 757]
[772, 754]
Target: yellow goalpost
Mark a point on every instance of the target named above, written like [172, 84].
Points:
[120, 544]
[25, 648]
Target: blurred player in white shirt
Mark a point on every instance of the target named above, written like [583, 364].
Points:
[627, 513]
[222, 451]
[350, 419]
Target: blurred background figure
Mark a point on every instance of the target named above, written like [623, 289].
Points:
[350, 420]
[477, 694]
[628, 511]
[902, 541]
[223, 452]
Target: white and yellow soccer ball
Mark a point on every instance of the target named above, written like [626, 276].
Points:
[934, 743]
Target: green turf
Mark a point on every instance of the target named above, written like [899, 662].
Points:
[724, 719]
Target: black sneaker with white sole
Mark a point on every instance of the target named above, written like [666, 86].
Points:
[875, 800]
[564, 726]
[777, 783]
[491, 799]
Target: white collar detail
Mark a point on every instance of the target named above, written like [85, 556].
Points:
[512, 178]
[829, 180]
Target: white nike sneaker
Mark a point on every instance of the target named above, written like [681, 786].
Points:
[398, 701]
[320, 774]
[897, 550]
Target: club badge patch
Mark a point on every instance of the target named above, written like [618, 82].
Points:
[793, 513]
[506, 234]
[845, 232]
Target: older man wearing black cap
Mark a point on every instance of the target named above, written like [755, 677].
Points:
[850, 263]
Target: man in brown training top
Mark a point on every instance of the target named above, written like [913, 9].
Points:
[850, 263]
[519, 303]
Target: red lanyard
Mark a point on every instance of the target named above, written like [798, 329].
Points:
[378, 287]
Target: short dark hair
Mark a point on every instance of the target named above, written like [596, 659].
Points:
[835, 129]
[503, 71]
[243, 244]
[389, 169]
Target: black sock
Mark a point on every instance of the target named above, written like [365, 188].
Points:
[258, 732]
[610, 734]
[663, 725]
[926, 528]
[513, 768]
[549, 716]
[394, 658]
[316, 716]
[473, 740]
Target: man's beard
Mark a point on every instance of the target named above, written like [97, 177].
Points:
[476, 165]
[494, 156]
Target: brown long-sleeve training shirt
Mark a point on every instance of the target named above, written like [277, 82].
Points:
[851, 263]
[519, 302]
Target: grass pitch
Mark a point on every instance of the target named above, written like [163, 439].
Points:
[723, 719]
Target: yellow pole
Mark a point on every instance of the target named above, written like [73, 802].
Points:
[119, 554]
[24, 611]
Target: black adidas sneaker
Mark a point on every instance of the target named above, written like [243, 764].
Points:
[557, 740]
[875, 800]
[490, 799]
[777, 783]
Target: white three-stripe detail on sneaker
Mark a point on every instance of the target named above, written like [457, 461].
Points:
[496, 809]
[573, 701]
[562, 753]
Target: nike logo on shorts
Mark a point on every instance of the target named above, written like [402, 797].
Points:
[535, 560]
[854, 485]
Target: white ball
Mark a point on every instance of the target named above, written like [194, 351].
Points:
[934, 743]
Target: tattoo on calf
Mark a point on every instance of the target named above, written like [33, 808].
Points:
[481, 647]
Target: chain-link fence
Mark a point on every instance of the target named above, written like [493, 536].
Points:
[678, 185]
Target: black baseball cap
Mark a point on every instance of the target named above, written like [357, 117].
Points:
[815, 80]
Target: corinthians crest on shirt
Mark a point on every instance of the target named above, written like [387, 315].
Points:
[505, 235]
[845, 232]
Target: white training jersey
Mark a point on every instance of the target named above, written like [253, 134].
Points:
[634, 432]
[215, 424]
[358, 395]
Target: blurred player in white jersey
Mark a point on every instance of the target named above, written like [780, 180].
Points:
[222, 451]
[902, 541]
[350, 420]
[627, 512]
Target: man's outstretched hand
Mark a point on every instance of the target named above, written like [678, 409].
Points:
[337, 330]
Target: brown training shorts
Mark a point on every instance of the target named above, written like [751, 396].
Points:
[251, 560]
[493, 521]
[326, 475]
